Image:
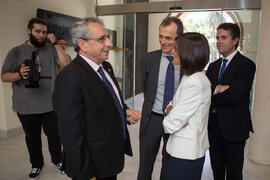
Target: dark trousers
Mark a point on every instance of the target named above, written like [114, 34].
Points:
[32, 124]
[226, 157]
[149, 146]
[106, 178]
[185, 169]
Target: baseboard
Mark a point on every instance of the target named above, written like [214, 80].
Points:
[11, 132]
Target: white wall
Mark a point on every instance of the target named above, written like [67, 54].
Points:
[259, 145]
[153, 30]
[115, 57]
[115, 23]
[14, 16]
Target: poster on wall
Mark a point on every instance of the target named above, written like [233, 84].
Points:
[60, 25]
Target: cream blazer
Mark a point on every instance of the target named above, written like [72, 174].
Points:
[188, 120]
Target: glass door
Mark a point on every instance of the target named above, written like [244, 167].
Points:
[121, 29]
[136, 34]
[133, 35]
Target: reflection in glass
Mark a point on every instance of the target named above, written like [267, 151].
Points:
[122, 55]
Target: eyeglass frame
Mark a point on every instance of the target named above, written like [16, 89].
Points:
[100, 39]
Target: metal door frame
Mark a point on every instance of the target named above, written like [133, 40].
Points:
[177, 6]
[174, 6]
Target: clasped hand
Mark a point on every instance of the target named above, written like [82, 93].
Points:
[133, 116]
[221, 88]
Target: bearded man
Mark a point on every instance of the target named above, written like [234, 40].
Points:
[33, 104]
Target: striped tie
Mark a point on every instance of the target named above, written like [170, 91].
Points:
[115, 98]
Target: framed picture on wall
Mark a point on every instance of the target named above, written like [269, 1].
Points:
[60, 25]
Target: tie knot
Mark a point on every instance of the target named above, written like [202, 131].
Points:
[100, 71]
[225, 61]
[170, 58]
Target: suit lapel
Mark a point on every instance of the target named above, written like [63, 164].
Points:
[84, 65]
[107, 67]
[216, 70]
[94, 76]
[99, 82]
[156, 65]
[230, 68]
[109, 70]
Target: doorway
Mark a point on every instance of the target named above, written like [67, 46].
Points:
[136, 33]
[133, 35]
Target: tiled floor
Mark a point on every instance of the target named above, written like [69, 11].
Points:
[14, 163]
[132, 163]
[14, 160]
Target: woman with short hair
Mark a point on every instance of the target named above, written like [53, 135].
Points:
[187, 121]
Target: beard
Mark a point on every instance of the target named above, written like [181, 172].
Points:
[35, 42]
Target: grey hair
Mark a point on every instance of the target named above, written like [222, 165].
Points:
[80, 30]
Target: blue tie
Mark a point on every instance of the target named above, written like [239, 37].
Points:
[223, 67]
[169, 84]
[115, 98]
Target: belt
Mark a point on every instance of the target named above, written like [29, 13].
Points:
[157, 114]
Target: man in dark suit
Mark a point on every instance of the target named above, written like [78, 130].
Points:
[229, 122]
[91, 111]
[154, 69]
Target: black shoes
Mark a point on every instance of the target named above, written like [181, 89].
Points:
[59, 166]
[34, 174]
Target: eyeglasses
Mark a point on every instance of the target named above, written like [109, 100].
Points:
[100, 39]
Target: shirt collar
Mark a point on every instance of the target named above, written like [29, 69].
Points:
[229, 58]
[165, 54]
[94, 65]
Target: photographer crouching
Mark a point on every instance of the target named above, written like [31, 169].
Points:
[31, 68]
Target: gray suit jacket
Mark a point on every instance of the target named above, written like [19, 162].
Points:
[150, 71]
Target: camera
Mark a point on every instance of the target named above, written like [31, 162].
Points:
[33, 76]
